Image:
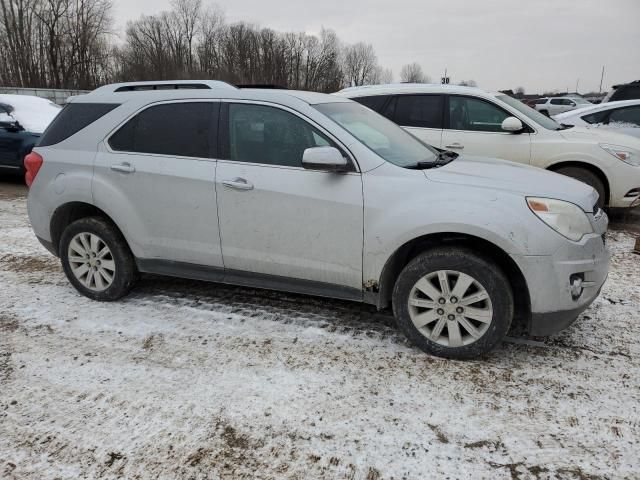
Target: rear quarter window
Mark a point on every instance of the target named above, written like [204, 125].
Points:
[375, 103]
[73, 118]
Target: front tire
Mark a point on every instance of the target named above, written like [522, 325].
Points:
[96, 259]
[588, 177]
[453, 303]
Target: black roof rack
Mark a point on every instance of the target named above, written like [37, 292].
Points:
[164, 86]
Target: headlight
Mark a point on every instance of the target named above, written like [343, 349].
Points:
[626, 154]
[566, 218]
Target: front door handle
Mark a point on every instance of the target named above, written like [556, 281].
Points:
[123, 167]
[238, 183]
[455, 146]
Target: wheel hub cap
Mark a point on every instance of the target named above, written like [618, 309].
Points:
[450, 308]
[91, 261]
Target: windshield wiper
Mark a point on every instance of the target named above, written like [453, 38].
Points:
[442, 159]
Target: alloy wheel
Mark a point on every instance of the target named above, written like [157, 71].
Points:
[450, 308]
[91, 261]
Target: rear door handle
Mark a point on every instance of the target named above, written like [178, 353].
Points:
[238, 183]
[455, 146]
[123, 167]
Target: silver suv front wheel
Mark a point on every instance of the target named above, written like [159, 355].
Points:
[450, 308]
[453, 302]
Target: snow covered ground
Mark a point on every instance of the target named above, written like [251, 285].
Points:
[192, 380]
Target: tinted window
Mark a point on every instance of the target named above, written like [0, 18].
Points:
[390, 109]
[541, 101]
[626, 92]
[73, 118]
[374, 103]
[557, 101]
[597, 117]
[626, 115]
[261, 134]
[466, 113]
[179, 129]
[419, 111]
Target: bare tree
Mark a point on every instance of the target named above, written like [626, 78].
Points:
[412, 73]
[360, 64]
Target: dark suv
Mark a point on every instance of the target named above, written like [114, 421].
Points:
[626, 91]
[22, 120]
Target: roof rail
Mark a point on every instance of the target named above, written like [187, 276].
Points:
[163, 85]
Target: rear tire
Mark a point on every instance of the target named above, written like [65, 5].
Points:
[96, 259]
[456, 325]
[588, 177]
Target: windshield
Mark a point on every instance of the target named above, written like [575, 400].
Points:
[534, 115]
[379, 134]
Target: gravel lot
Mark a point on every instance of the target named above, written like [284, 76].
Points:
[193, 380]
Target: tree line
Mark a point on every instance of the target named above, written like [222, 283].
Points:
[72, 44]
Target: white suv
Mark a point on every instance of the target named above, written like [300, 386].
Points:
[477, 122]
[555, 105]
[313, 194]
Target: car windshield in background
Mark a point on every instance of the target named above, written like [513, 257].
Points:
[533, 114]
[379, 134]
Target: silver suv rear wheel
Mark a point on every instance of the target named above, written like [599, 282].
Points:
[91, 261]
[96, 259]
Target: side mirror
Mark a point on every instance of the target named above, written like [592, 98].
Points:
[324, 158]
[512, 124]
[11, 126]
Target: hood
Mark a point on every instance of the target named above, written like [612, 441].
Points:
[598, 135]
[494, 174]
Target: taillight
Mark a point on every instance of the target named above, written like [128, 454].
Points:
[32, 164]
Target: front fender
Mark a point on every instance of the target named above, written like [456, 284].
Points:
[499, 217]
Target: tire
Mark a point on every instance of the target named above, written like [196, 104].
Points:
[545, 112]
[588, 177]
[496, 311]
[95, 271]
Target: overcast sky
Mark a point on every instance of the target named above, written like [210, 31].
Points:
[537, 44]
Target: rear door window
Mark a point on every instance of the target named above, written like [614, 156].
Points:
[419, 111]
[185, 129]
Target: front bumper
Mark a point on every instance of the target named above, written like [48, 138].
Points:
[548, 279]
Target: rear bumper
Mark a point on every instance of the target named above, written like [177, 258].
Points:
[48, 245]
[553, 308]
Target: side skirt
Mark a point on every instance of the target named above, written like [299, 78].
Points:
[247, 279]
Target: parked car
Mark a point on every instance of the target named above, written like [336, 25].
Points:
[622, 116]
[626, 91]
[23, 118]
[315, 194]
[555, 105]
[496, 125]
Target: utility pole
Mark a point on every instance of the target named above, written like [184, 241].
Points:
[601, 78]
[577, 82]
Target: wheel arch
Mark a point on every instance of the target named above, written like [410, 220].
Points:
[408, 251]
[587, 166]
[68, 213]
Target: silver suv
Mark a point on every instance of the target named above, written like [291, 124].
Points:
[313, 194]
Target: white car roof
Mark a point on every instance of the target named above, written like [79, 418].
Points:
[198, 89]
[399, 88]
[598, 108]
[33, 113]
